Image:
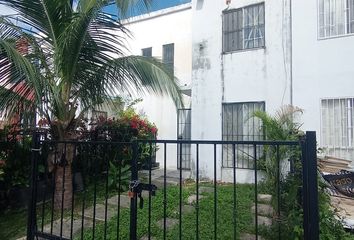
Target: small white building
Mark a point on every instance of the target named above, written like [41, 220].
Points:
[239, 56]
[167, 35]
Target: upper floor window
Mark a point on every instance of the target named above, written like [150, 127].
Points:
[146, 52]
[243, 28]
[335, 17]
[168, 55]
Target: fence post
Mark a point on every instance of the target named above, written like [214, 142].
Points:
[310, 187]
[31, 222]
[133, 201]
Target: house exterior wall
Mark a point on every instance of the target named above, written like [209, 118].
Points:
[322, 68]
[171, 25]
[261, 74]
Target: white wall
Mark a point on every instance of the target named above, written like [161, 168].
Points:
[321, 68]
[172, 25]
[251, 75]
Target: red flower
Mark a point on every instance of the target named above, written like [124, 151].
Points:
[134, 124]
[154, 130]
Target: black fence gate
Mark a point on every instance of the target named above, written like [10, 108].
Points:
[97, 190]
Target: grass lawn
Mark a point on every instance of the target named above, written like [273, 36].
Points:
[225, 230]
[13, 222]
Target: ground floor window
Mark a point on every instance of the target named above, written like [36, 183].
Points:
[184, 133]
[337, 120]
[238, 124]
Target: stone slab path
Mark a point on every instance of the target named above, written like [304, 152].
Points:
[170, 223]
[264, 215]
[100, 212]
[124, 201]
[157, 177]
[77, 223]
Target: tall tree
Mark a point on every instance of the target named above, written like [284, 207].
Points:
[75, 58]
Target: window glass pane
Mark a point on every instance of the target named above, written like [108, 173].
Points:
[334, 17]
[243, 28]
[168, 56]
[337, 122]
[350, 16]
[239, 125]
[147, 52]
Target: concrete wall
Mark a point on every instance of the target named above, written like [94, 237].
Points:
[251, 75]
[321, 68]
[171, 25]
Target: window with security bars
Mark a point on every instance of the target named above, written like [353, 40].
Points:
[244, 28]
[337, 120]
[335, 18]
[238, 124]
[168, 55]
[146, 52]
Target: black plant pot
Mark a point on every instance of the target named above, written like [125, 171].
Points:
[154, 164]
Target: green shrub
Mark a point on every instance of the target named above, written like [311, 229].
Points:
[284, 126]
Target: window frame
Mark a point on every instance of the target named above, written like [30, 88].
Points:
[323, 139]
[242, 9]
[262, 135]
[146, 49]
[347, 22]
[169, 64]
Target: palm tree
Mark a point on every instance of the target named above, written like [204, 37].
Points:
[75, 59]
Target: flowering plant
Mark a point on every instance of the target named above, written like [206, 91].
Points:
[127, 127]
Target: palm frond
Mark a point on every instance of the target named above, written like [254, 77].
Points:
[138, 74]
[77, 57]
[129, 7]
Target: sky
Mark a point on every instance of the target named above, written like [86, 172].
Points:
[157, 5]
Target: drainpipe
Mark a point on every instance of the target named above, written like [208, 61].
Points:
[291, 54]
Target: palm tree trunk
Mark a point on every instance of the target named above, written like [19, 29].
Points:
[63, 191]
[63, 187]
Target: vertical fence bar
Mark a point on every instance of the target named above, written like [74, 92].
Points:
[84, 173]
[63, 161]
[215, 196]
[106, 160]
[73, 190]
[45, 193]
[255, 189]
[149, 210]
[31, 222]
[197, 200]
[234, 180]
[53, 188]
[95, 164]
[278, 189]
[119, 161]
[164, 190]
[310, 188]
[180, 192]
[133, 201]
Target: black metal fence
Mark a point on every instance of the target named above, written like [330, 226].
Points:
[97, 190]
